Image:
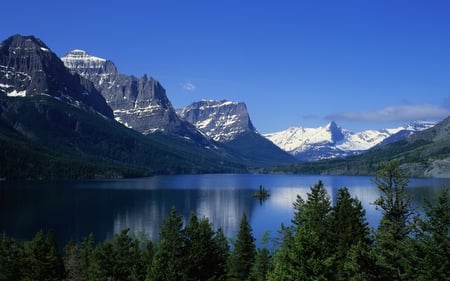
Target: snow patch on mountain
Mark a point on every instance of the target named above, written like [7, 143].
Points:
[220, 120]
[331, 141]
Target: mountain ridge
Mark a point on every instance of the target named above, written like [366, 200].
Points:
[28, 68]
[138, 103]
[332, 141]
[423, 154]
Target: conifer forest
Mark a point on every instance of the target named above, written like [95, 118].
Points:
[324, 242]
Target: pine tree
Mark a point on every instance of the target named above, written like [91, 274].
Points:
[169, 262]
[432, 250]
[43, 259]
[12, 259]
[313, 236]
[262, 265]
[395, 226]
[200, 249]
[243, 253]
[222, 252]
[307, 249]
[351, 231]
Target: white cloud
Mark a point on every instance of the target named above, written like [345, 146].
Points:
[395, 113]
[188, 86]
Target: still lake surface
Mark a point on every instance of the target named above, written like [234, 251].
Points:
[73, 209]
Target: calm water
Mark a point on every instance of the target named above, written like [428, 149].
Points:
[104, 207]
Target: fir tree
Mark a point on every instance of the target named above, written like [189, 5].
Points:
[395, 226]
[243, 253]
[12, 259]
[350, 228]
[43, 259]
[432, 245]
[169, 262]
[262, 265]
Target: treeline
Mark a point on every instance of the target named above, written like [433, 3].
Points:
[324, 242]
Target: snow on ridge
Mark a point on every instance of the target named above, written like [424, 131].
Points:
[299, 139]
[81, 55]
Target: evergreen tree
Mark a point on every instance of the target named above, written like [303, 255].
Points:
[12, 259]
[243, 253]
[43, 259]
[307, 249]
[285, 259]
[432, 250]
[72, 263]
[169, 262]
[200, 249]
[262, 266]
[128, 258]
[313, 238]
[222, 252]
[350, 228]
[394, 228]
[102, 262]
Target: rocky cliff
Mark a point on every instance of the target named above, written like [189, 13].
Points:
[29, 68]
[138, 103]
[220, 120]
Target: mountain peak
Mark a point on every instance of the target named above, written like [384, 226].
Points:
[81, 55]
[331, 141]
[24, 41]
[28, 68]
[220, 120]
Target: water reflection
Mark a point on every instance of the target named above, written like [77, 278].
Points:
[75, 209]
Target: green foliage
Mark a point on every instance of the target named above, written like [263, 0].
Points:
[43, 259]
[432, 244]
[243, 253]
[324, 243]
[170, 260]
[54, 140]
[262, 266]
[351, 233]
[12, 259]
[392, 234]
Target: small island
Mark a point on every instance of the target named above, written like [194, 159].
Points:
[262, 194]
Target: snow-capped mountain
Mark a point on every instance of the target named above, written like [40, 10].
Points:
[138, 103]
[29, 68]
[220, 120]
[229, 123]
[332, 141]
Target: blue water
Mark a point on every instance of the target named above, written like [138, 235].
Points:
[104, 207]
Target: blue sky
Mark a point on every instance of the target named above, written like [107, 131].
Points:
[366, 64]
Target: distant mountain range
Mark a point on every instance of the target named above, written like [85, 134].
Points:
[79, 117]
[332, 141]
[425, 153]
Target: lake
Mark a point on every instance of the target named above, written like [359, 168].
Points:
[104, 207]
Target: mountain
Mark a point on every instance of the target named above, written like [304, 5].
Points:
[332, 141]
[229, 123]
[29, 68]
[138, 103]
[142, 104]
[425, 153]
[55, 124]
[222, 121]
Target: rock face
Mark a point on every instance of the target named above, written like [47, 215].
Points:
[220, 120]
[332, 141]
[229, 123]
[29, 68]
[138, 103]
